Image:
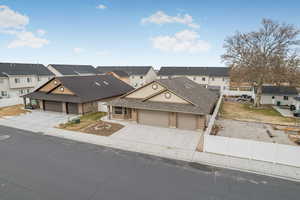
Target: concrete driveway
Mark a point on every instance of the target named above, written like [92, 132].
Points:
[167, 137]
[37, 121]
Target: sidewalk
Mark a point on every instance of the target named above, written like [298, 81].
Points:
[253, 166]
[172, 152]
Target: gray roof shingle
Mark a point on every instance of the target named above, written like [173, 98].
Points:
[194, 71]
[88, 88]
[203, 100]
[69, 70]
[11, 69]
[130, 70]
[279, 90]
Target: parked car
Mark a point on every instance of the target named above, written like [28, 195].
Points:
[296, 113]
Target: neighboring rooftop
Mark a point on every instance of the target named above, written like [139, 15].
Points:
[202, 100]
[194, 71]
[86, 88]
[130, 70]
[11, 69]
[120, 73]
[73, 70]
[279, 90]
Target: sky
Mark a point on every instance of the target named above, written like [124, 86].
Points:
[130, 32]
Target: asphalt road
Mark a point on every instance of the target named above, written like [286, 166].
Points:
[33, 166]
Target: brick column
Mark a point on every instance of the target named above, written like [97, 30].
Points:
[201, 122]
[64, 107]
[172, 120]
[134, 114]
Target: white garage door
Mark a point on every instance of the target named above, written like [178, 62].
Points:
[153, 118]
[102, 107]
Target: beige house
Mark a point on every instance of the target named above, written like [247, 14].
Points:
[76, 94]
[17, 79]
[175, 103]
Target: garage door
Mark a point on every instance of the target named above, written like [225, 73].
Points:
[186, 121]
[53, 106]
[72, 108]
[153, 118]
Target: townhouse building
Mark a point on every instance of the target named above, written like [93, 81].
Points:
[137, 75]
[17, 79]
[211, 77]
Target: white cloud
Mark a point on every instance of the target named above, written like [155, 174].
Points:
[14, 23]
[12, 19]
[101, 6]
[102, 53]
[162, 18]
[41, 32]
[183, 41]
[27, 39]
[78, 50]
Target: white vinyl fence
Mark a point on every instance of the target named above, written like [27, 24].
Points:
[228, 92]
[255, 150]
[10, 101]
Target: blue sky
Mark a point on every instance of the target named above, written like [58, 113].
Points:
[131, 32]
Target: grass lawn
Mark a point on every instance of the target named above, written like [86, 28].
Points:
[92, 123]
[246, 112]
[12, 110]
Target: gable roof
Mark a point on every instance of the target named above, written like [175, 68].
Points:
[10, 69]
[279, 90]
[194, 71]
[69, 70]
[201, 100]
[86, 88]
[130, 70]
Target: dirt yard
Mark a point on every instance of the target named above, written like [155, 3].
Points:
[12, 110]
[245, 112]
[92, 124]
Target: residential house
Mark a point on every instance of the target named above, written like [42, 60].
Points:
[278, 95]
[19, 78]
[123, 76]
[215, 77]
[72, 70]
[138, 75]
[77, 94]
[176, 103]
[296, 103]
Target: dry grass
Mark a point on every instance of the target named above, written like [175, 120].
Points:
[92, 123]
[12, 110]
[245, 112]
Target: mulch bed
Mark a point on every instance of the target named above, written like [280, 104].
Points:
[103, 128]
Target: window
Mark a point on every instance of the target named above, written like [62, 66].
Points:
[167, 95]
[285, 98]
[38, 78]
[141, 77]
[203, 78]
[118, 110]
[21, 92]
[28, 90]
[4, 93]
[28, 80]
[154, 87]
[17, 80]
[212, 78]
[194, 78]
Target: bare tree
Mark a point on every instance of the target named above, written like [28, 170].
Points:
[268, 55]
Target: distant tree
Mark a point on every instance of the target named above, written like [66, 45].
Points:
[268, 55]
